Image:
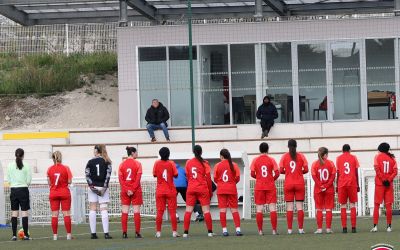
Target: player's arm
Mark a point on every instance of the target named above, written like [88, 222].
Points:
[314, 176]
[276, 170]
[337, 175]
[174, 170]
[378, 172]
[28, 175]
[108, 175]
[394, 174]
[48, 178]
[282, 168]
[237, 172]
[69, 174]
[253, 169]
[332, 177]
[356, 172]
[216, 176]
[136, 183]
[305, 164]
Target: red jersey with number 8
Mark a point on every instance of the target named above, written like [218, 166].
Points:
[225, 179]
[293, 169]
[58, 176]
[266, 171]
[165, 171]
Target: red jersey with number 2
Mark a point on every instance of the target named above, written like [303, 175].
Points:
[128, 173]
[225, 179]
[58, 176]
[165, 171]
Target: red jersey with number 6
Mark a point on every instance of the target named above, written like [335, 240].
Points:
[129, 172]
[265, 170]
[385, 168]
[293, 169]
[225, 179]
[347, 165]
[198, 176]
[165, 171]
[59, 176]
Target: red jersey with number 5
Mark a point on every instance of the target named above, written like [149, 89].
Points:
[129, 172]
[385, 168]
[165, 171]
[225, 179]
[265, 170]
[347, 167]
[59, 176]
[198, 175]
[293, 169]
[323, 175]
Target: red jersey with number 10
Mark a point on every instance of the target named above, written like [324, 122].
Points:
[58, 176]
[198, 176]
[128, 172]
[385, 168]
[293, 169]
[225, 179]
[165, 171]
[265, 170]
[323, 175]
[347, 167]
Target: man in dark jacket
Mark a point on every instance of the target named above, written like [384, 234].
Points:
[267, 113]
[157, 116]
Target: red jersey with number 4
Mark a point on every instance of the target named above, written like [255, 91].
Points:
[165, 171]
[323, 175]
[58, 176]
[225, 179]
[265, 170]
[129, 172]
[385, 168]
[347, 167]
[293, 169]
[198, 176]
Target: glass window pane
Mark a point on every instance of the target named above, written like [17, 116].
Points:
[312, 82]
[279, 79]
[380, 78]
[152, 79]
[346, 80]
[243, 84]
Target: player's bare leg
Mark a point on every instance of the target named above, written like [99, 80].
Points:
[319, 221]
[54, 224]
[260, 218]
[353, 217]
[289, 216]
[222, 219]
[300, 216]
[124, 221]
[236, 220]
[328, 221]
[274, 218]
[67, 223]
[137, 220]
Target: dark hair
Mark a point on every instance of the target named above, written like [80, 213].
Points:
[198, 151]
[225, 153]
[292, 145]
[384, 147]
[164, 153]
[267, 97]
[101, 149]
[130, 150]
[19, 154]
[346, 148]
[264, 147]
[322, 151]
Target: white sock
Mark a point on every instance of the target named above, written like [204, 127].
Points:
[92, 221]
[238, 229]
[196, 213]
[104, 220]
[224, 230]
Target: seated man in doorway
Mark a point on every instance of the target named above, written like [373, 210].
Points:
[267, 113]
[157, 116]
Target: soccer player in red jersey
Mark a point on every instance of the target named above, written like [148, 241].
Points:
[323, 172]
[265, 170]
[129, 175]
[59, 177]
[386, 170]
[294, 165]
[226, 176]
[165, 171]
[198, 173]
[347, 186]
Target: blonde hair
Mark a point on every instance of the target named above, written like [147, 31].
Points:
[322, 151]
[101, 149]
[57, 157]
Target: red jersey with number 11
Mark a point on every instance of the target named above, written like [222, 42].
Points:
[385, 168]
[225, 179]
[165, 171]
[58, 176]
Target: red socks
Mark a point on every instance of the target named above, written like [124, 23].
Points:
[136, 219]
[124, 222]
[208, 220]
[174, 222]
[54, 224]
[389, 214]
[274, 220]
[353, 217]
[159, 220]
[236, 219]
[343, 217]
[289, 219]
[222, 218]
[376, 213]
[319, 219]
[186, 221]
[67, 224]
[259, 219]
[300, 218]
[328, 219]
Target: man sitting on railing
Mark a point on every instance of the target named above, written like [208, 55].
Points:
[157, 116]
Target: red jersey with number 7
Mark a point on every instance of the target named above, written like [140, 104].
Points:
[129, 172]
[59, 176]
[347, 167]
[225, 179]
[198, 176]
[385, 168]
[265, 170]
[165, 171]
[293, 169]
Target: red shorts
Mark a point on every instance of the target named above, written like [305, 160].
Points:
[383, 193]
[294, 192]
[193, 197]
[162, 200]
[135, 199]
[57, 200]
[227, 200]
[347, 193]
[262, 197]
[324, 200]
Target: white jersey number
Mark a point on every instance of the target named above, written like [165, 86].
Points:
[264, 172]
[225, 177]
[98, 169]
[194, 173]
[164, 175]
[129, 172]
[292, 165]
[323, 174]
[57, 175]
[347, 168]
[385, 167]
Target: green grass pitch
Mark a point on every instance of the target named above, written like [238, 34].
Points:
[42, 237]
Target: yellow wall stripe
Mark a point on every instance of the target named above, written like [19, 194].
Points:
[35, 135]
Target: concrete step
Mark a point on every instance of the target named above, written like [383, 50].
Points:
[33, 142]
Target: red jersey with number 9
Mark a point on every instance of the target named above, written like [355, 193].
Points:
[58, 176]
[266, 171]
[293, 170]
[347, 165]
[385, 168]
[225, 179]
[165, 171]
[128, 172]
[197, 175]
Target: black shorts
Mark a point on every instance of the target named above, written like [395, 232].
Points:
[19, 197]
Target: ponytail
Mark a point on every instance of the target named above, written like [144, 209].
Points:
[198, 151]
[292, 145]
[19, 155]
[101, 149]
[385, 148]
[225, 153]
[130, 150]
[322, 151]
[57, 157]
